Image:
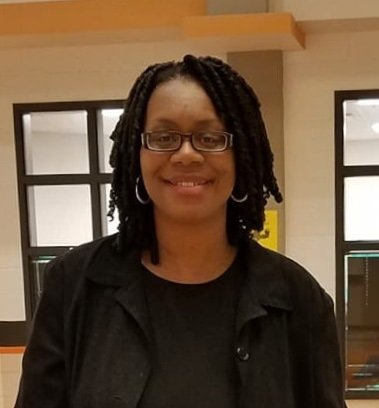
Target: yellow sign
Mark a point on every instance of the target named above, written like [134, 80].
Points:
[268, 237]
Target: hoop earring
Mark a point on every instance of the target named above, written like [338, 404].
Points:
[239, 200]
[139, 198]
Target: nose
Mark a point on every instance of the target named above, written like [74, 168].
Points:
[187, 154]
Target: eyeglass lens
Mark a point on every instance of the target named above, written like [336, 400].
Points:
[205, 141]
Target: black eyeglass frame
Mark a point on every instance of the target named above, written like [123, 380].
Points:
[188, 136]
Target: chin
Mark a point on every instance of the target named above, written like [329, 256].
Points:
[194, 214]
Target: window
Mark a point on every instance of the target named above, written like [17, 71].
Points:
[357, 238]
[63, 181]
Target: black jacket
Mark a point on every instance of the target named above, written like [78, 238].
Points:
[89, 347]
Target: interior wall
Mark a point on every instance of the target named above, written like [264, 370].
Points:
[264, 72]
[236, 6]
[328, 10]
[330, 62]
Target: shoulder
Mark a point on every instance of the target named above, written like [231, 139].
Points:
[98, 262]
[277, 275]
[80, 257]
[71, 268]
[83, 255]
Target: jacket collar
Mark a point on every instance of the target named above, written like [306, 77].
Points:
[265, 283]
[265, 286]
[123, 272]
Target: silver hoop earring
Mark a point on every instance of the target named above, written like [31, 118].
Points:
[239, 200]
[139, 198]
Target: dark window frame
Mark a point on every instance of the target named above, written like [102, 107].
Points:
[342, 247]
[94, 178]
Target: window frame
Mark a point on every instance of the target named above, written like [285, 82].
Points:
[343, 247]
[94, 178]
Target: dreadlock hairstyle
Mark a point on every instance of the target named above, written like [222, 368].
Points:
[239, 109]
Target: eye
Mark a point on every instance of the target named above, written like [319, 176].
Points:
[209, 138]
[163, 136]
[163, 140]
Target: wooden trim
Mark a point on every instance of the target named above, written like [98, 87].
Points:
[81, 16]
[12, 350]
[245, 25]
[115, 21]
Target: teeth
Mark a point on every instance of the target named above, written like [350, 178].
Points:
[189, 183]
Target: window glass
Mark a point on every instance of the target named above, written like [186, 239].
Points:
[361, 132]
[361, 208]
[59, 215]
[362, 321]
[38, 265]
[55, 142]
[106, 122]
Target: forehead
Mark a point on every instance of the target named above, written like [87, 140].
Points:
[180, 98]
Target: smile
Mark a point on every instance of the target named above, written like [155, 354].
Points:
[189, 183]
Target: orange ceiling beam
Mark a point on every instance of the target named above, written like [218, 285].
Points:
[136, 20]
[78, 16]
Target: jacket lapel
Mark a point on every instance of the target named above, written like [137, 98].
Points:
[123, 271]
[264, 293]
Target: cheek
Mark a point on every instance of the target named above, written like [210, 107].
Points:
[229, 169]
[146, 170]
[150, 164]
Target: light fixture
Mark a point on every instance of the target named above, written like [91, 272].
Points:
[375, 127]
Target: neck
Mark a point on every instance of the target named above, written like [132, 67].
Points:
[191, 253]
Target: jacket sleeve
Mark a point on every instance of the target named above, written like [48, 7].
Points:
[43, 380]
[328, 373]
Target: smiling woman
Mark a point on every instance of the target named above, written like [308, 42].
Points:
[187, 183]
[181, 308]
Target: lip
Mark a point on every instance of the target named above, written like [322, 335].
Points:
[189, 187]
[187, 181]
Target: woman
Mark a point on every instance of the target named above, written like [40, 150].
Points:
[182, 308]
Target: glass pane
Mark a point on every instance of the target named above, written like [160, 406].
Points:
[106, 122]
[361, 132]
[108, 227]
[362, 317]
[362, 208]
[38, 265]
[56, 142]
[59, 215]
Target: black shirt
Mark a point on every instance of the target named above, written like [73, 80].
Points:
[193, 332]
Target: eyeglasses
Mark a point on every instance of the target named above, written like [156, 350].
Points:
[202, 141]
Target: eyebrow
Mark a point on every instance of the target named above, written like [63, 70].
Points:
[201, 122]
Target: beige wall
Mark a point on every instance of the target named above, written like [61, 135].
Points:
[330, 62]
[329, 9]
[1, 384]
[10, 372]
[264, 72]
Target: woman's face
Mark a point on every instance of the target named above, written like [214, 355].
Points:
[186, 185]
